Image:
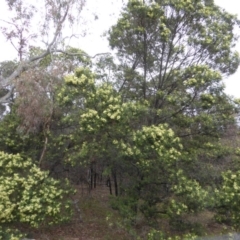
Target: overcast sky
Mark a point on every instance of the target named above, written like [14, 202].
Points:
[107, 12]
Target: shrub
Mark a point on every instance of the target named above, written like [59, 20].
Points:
[29, 196]
[228, 198]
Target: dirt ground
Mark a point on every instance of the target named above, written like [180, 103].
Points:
[96, 220]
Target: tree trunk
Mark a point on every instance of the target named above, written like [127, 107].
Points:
[91, 173]
[95, 179]
[115, 183]
[109, 184]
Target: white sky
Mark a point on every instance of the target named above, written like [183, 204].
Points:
[107, 12]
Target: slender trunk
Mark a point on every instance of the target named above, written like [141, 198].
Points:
[120, 184]
[95, 179]
[91, 174]
[115, 183]
[46, 130]
[43, 151]
[109, 184]
[144, 61]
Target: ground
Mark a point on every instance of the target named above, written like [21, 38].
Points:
[95, 222]
[98, 221]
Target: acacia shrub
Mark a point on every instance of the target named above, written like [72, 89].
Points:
[29, 195]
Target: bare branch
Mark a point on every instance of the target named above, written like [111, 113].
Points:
[82, 53]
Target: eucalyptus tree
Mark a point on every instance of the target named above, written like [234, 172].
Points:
[51, 17]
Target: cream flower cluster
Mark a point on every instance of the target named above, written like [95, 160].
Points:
[28, 195]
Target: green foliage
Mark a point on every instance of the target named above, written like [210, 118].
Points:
[228, 197]
[76, 55]
[13, 141]
[127, 208]
[154, 39]
[201, 29]
[113, 133]
[195, 198]
[29, 196]
[173, 54]
[10, 234]
[101, 114]
[7, 68]
[72, 55]
[158, 235]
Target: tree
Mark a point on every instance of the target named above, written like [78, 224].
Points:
[20, 31]
[175, 54]
[143, 162]
[158, 39]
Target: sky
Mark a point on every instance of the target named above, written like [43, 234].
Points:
[107, 12]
